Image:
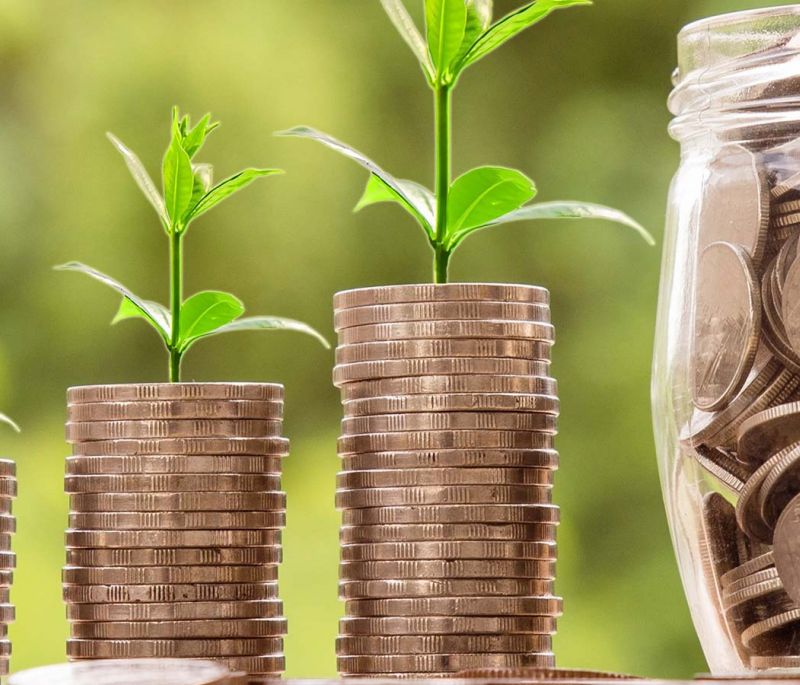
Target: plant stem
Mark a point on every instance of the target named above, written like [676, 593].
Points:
[443, 142]
[175, 301]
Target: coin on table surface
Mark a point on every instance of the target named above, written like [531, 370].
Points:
[443, 476]
[454, 568]
[230, 482]
[459, 513]
[455, 625]
[727, 324]
[160, 593]
[178, 502]
[437, 421]
[786, 549]
[186, 446]
[443, 494]
[443, 439]
[456, 606]
[438, 385]
[451, 531]
[172, 428]
[179, 630]
[469, 587]
[177, 520]
[178, 611]
[416, 330]
[448, 292]
[104, 649]
[152, 575]
[175, 556]
[443, 347]
[483, 310]
[171, 538]
[496, 402]
[443, 644]
[175, 409]
[257, 665]
[543, 674]
[768, 432]
[448, 549]
[420, 663]
[150, 392]
[437, 366]
[452, 458]
[174, 463]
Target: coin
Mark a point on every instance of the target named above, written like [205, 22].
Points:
[454, 568]
[752, 592]
[469, 587]
[8, 468]
[748, 514]
[8, 489]
[7, 613]
[450, 458]
[437, 421]
[437, 366]
[482, 310]
[786, 548]
[443, 347]
[414, 330]
[495, 402]
[444, 439]
[8, 560]
[436, 644]
[750, 581]
[171, 538]
[8, 524]
[543, 674]
[768, 432]
[724, 467]
[180, 520]
[451, 531]
[177, 556]
[448, 549]
[755, 634]
[448, 292]
[485, 513]
[456, 606]
[178, 502]
[186, 446]
[151, 575]
[443, 476]
[747, 568]
[791, 305]
[271, 664]
[111, 649]
[444, 494]
[174, 409]
[179, 611]
[456, 625]
[172, 428]
[172, 483]
[165, 592]
[420, 663]
[772, 662]
[175, 463]
[437, 385]
[175, 391]
[173, 630]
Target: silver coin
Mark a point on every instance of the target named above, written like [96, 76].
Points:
[456, 606]
[185, 446]
[456, 568]
[463, 587]
[123, 649]
[411, 532]
[175, 556]
[170, 538]
[177, 520]
[423, 330]
[168, 592]
[150, 392]
[178, 482]
[448, 292]
[496, 402]
[443, 495]
[421, 663]
[178, 502]
[211, 629]
[442, 385]
[443, 439]
[145, 464]
[458, 513]
[448, 549]
[372, 478]
[443, 347]
[90, 431]
[438, 421]
[168, 575]
[437, 366]
[450, 458]
[180, 611]
[438, 644]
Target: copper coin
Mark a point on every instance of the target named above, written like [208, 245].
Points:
[171, 538]
[123, 649]
[438, 644]
[750, 581]
[452, 458]
[754, 635]
[449, 625]
[543, 674]
[8, 468]
[437, 366]
[178, 502]
[456, 568]
[469, 587]
[443, 476]
[747, 568]
[154, 575]
[8, 524]
[215, 482]
[456, 606]
[768, 432]
[439, 347]
[8, 489]
[169, 428]
[438, 385]
[450, 531]
[174, 409]
[415, 330]
[150, 392]
[185, 446]
[427, 440]
[232, 629]
[444, 494]
[725, 468]
[8, 560]
[175, 463]
[496, 402]
[175, 556]
[447, 292]
[161, 593]
[449, 549]
[437, 421]
[271, 664]
[177, 520]
[751, 593]
[420, 663]
[460, 513]
[775, 662]
[180, 611]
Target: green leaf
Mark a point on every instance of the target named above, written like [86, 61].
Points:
[128, 310]
[484, 194]
[410, 195]
[203, 180]
[479, 18]
[562, 210]
[195, 138]
[446, 22]
[268, 323]
[178, 181]
[153, 314]
[510, 26]
[423, 207]
[9, 422]
[225, 189]
[141, 177]
[205, 312]
[409, 32]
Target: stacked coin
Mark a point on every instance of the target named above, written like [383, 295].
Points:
[176, 512]
[8, 525]
[448, 539]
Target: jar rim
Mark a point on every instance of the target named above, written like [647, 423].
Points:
[741, 16]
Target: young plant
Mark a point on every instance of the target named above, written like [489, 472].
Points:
[460, 33]
[188, 193]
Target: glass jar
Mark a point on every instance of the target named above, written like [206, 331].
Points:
[726, 374]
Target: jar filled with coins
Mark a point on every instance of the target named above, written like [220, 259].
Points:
[726, 375]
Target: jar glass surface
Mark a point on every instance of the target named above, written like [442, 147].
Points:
[726, 371]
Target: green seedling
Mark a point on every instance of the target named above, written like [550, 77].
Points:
[459, 34]
[188, 193]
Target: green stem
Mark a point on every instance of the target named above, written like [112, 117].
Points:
[443, 173]
[175, 301]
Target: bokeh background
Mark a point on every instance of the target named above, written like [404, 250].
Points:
[578, 103]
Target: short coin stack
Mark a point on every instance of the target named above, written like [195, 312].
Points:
[448, 538]
[176, 512]
[8, 525]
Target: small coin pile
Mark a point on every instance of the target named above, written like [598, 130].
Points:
[176, 513]
[8, 526]
[448, 542]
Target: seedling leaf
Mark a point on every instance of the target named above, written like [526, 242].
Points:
[156, 316]
[193, 140]
[484, 194]
[479, 18]
[141, 177]
[423, 208]
[9, 422]
[178, 181]
[203, 180]
[225, 189]
[399, 16]
[267, 323]
[446, 22]
[205, 312]
[128, 310]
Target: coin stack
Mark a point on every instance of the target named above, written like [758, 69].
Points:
[8, 525]
[448, 539]
[176, 512]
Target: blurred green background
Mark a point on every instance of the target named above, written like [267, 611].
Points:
[578, 103]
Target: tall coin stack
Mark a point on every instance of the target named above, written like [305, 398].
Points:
[176, 512]
[8, 526]
[448, 545]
